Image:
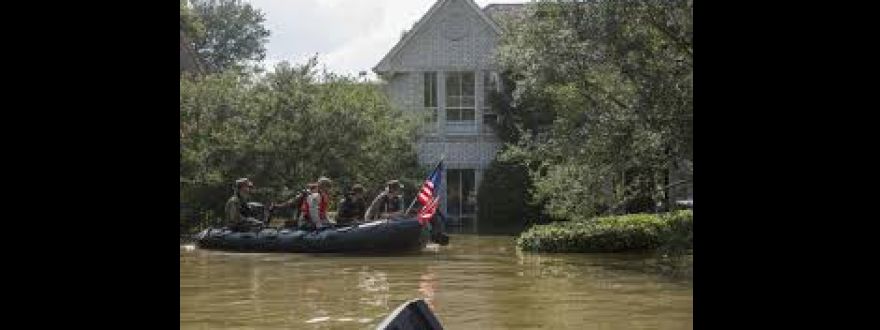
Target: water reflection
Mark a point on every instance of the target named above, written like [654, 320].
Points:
[474, 283]
[375, 286]
[427, 287]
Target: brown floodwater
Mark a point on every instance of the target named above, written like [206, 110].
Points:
[476, 282]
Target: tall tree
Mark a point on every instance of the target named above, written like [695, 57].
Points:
[612, 84]
[227, 34]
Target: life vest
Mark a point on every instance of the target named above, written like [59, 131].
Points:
[322, 207]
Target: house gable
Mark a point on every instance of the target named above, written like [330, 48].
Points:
[452, 35]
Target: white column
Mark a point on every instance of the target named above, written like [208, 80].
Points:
[441, 131]
[478, 100]
[478, 176]
[441, 103]
[443, 194]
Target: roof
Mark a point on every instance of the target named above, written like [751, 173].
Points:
[496, 11]
[422, 21]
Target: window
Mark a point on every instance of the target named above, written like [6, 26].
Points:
[430, 96]
[490, 84]
[460, 96]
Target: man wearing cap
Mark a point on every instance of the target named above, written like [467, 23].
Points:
[237, 204]
[352, 207]
[389, 203]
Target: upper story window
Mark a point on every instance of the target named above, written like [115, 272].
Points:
[460, 96]
[430, 96]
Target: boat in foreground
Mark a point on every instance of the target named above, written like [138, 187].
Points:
[414, 314]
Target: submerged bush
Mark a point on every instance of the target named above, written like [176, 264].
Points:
[667, 231]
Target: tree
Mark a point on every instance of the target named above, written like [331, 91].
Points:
[286, 129]
[227, 34]
[503, 199]
[612, 84]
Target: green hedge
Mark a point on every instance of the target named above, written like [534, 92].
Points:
[669, 232]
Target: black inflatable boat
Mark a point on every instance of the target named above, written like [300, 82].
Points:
[413, 314]
[403, 234]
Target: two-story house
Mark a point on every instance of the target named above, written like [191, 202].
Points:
[443, 69]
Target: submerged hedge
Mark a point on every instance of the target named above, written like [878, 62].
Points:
[671, 231]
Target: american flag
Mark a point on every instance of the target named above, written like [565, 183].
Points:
[428, 194]
[429, 188]
[427, 211]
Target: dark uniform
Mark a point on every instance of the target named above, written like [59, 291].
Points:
[387, 202]
[351, 208]
[390, 203]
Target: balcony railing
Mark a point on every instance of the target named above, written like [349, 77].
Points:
[461, 127]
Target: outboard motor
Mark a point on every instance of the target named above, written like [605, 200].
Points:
[257, 211]
[255, 216]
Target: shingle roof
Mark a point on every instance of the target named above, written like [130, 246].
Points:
[497, 11]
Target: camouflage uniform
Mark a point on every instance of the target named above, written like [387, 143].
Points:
[236, 206]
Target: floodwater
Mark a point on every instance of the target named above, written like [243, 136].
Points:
[476, 282]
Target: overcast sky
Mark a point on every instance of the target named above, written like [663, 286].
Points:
[348, 35]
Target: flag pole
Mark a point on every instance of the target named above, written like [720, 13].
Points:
[411, 205]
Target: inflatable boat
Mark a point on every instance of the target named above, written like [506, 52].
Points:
[389, 235]
[413, 314]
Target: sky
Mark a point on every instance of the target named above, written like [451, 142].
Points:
[348, 36]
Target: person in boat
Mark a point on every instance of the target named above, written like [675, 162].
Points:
[237, 213]
[315, 208]
[389, 203]
[296, 201]
[352, 207]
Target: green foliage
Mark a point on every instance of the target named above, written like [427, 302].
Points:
[285, 129]
[503, 198]
[669, 232]
[190, 23]
[227, 34]
[601, 101]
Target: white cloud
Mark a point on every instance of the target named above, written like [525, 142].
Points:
[348, 35]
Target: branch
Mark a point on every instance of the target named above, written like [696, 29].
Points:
[683, 44]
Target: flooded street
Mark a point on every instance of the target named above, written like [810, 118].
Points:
[476, 282]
